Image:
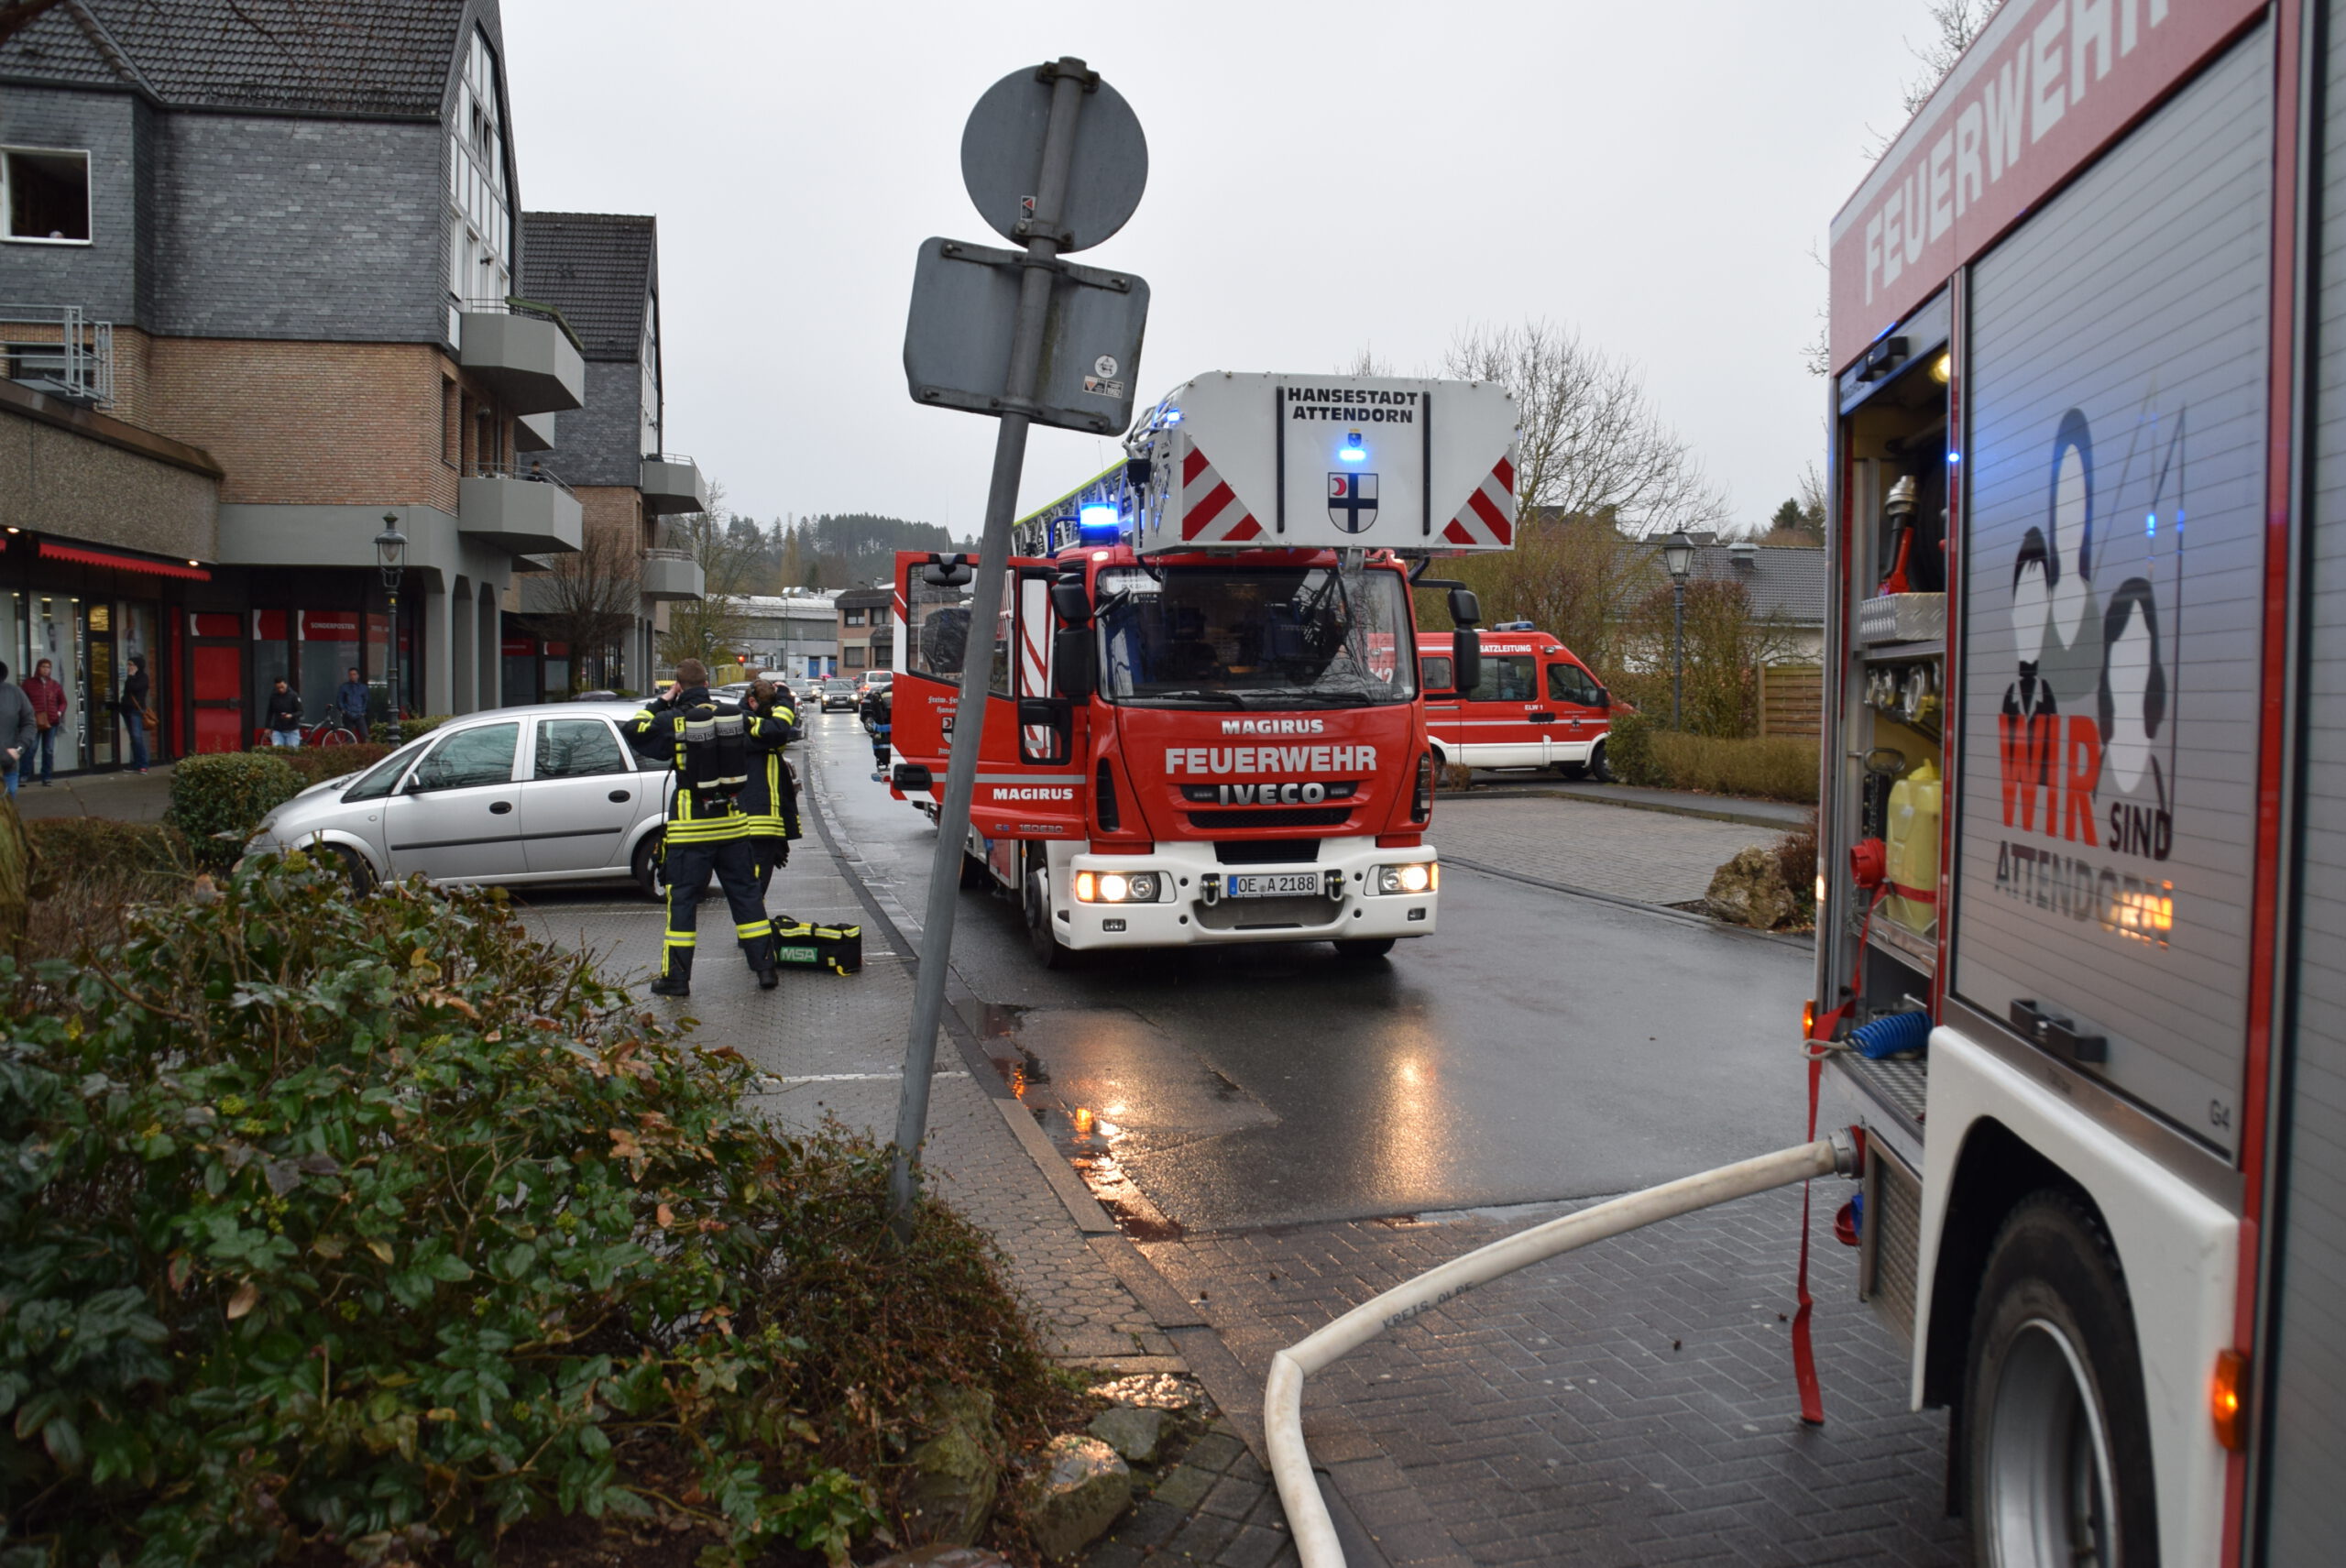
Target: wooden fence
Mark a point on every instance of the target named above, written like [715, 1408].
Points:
[1791, 700]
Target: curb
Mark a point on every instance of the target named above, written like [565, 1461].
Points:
[1530, 792]
[1805, 944]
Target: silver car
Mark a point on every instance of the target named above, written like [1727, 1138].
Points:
[515, 796]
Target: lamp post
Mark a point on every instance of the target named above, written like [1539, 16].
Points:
[1678, 556]
[390, 552]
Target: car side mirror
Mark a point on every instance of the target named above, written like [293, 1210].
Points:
[1465, 655]
[1043, 712]
[1602, 699]
[1071, 603]
[947, 572]
[1074, 673]
[1465, 609]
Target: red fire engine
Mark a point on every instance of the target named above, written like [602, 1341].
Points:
[1537, 705]
[2080, 966]
[1212, 727]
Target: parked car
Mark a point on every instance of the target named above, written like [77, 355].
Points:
[515, 796]
[874, 680]
[841, 695]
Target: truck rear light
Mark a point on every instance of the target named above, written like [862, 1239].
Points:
[1104, 792]
[2225, 1401]
[1421, 802]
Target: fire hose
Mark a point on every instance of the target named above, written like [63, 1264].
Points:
[1307, 1512]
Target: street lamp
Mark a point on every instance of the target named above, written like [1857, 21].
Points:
[1677, 557]
[390, 552]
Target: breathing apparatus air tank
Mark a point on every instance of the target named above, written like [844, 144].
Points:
[1913, 843]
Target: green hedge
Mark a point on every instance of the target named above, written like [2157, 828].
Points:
[421, 724]
[374, 1227]
[314, 764]
[72, 849]
[1766, 768]
[228, 793]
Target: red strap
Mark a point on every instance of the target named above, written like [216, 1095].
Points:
[1918, 895]
[1812, 1397]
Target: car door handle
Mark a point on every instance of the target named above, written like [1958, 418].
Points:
[499, 808]
[619, 794]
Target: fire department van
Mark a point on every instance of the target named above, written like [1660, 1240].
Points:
[1536, 706]
[2081, 955]
[1211, 727]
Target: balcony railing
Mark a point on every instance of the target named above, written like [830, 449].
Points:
[533, 472]
[514, 305]
[57, 350]
[527, 356]
[661, 552]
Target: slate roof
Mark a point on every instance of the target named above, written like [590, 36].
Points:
[1785, 580]
[378, 57]
[599, 268]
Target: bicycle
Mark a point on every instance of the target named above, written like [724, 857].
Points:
[330, 731]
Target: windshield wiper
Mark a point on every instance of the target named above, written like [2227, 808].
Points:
[1193, 698]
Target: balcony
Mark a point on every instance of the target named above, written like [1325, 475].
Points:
[55, 350]
[529, 514]
[673, 575]
[525, 353]
[672, 482]
[534, 432]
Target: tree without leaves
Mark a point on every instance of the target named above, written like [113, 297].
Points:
[1575, 577]
[732, 562]
[588, 598]
[1727, 641]
[1591, 442]
[1954, 24]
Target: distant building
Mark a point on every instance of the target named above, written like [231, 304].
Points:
[797, 633]
[1786, 583]
[866, 641]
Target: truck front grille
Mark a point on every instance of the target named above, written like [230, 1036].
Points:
[1272, 817]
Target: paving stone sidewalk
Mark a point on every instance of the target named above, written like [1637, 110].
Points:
[1649, 856]
[834, 1045]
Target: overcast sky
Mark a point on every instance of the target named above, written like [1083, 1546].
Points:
[1323, 177]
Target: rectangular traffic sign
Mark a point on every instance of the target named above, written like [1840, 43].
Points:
[957, 337]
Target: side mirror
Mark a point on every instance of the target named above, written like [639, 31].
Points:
[1043, 712]
[1074, 674]
[1070, 602]
[1465, 653]
[947, 572]
[1603, 699]
[1465, 610]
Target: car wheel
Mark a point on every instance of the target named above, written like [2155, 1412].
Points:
[1049, 951]
[1599, 769]
[646, 865]
[1571, 770]
[1365, 949]
[2056, 1429]
[355, 869]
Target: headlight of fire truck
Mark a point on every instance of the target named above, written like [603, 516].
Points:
[1115, 887]
[1417, 876]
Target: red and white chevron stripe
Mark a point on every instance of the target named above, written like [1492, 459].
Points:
[1210, 512]
[1488, 517]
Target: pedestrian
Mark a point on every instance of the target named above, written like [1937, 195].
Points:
[17, 728]
[880, 705]
[769, 800]
[282, 714]
[136, 716]
[46, 695]
[351, 698]
[713, 750]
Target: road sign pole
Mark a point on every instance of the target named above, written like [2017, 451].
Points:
[1068, 78]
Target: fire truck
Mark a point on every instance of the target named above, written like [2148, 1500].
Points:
[1206, 722]
[1536, 706]
[2082, 921]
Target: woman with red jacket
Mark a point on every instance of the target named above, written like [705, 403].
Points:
[48, 712]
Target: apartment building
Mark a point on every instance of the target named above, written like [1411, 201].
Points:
[259, 268]
[592, 621]
[867, 639]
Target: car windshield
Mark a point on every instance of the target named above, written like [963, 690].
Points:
[1256, 638]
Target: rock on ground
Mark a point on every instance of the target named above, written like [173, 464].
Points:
[949, 1494]
[1750, 891]
[1131, 1431]
[1080, 1490]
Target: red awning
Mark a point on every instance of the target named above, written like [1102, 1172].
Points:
[53, 551]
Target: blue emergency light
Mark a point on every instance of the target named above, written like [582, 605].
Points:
[1352, 451]
[1097, 522]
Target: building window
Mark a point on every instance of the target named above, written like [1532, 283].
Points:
[855, 655]
[480, 217]
[451, 424]
[45, 195]
[853, 617]
[650, 415]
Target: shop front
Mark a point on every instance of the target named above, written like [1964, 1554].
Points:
[89, 613]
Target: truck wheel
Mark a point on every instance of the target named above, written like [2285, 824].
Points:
[1597, 771]
[644, 865]
[1365, 949]
[2057, 1431]
[1049, 951]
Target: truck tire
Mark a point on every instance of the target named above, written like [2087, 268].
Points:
[1365, 949]
[1049, 951]
[1597, 770]
[2057, 1431]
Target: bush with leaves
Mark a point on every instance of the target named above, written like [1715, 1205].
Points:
[315, 764]
[415, 725]
[372, 1226]
[227, 793]
[1628, 748]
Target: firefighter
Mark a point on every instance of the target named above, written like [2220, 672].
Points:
[713, 748]
[878, 717]
[769, 800]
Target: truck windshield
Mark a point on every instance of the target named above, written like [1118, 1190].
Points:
[1260, 637]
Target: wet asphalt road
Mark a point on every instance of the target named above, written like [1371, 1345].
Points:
[1539, 1046]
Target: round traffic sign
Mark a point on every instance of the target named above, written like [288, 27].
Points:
[1002, 157]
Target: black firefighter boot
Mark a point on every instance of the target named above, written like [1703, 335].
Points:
[675, 973]
[761, 964]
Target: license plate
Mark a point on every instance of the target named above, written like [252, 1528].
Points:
[1272, 884]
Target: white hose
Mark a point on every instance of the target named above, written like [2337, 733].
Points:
[1306, 1514]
